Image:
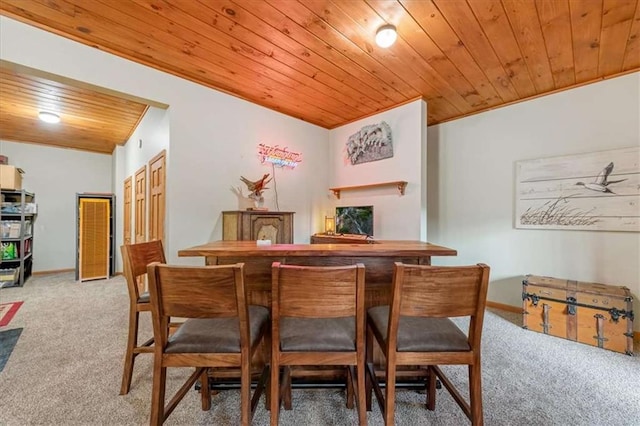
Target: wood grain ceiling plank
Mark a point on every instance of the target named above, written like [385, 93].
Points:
[462, 20]
[335, 40]
[418, 52]
[63, 104]
[248, 28]
[14, 128]
[239, 79]
[73, 119]
[55, 86]
[312, 48]
[110, 36]
[70, 123]
[407, 48]
[586, 22]
[216, 27]
[23, 96]
[616, 26]
[243, 70]
[523, 18]
[292, 75]
[87, 100]
[339, 20]
[28, 134]
[555, 20]
[35, 104]
[463, 72]
[496, 27]
[632, 53]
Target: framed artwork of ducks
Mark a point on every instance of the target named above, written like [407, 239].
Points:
[598, 191]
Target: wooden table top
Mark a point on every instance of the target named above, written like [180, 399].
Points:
[384, 248]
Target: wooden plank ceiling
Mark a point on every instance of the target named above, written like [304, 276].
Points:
[316, 59]
[90, 120]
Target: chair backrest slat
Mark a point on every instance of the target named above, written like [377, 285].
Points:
[135, 258]
[196, 291]
[441, 291]
[316, 292]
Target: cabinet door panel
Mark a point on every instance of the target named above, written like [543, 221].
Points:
[268, 228]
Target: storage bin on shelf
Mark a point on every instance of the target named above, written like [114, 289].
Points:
[16, 208]
[12, 228]
[9, 251]
[9, 276]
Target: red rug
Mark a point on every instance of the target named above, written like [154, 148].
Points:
[7, 311]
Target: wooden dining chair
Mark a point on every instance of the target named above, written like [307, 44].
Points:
[135, 258]
[221, 330]
[415, 330]
[318, 318]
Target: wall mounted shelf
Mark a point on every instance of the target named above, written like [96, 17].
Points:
[400, 184]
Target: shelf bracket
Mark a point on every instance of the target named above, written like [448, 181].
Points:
[401, 187]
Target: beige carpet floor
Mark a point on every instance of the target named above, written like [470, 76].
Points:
[67, 364]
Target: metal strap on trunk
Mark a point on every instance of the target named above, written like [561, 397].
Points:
[615, 313]
[572, 317]
[600, 330]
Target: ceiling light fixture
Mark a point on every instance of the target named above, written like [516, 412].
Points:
[386, 35]
[49, 117]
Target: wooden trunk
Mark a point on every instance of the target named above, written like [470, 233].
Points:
[596, 314]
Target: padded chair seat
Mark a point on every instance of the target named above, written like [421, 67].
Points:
[416, 334]
[317, 334]
[144, 297]
[210, 335]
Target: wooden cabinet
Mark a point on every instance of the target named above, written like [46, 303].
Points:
[248, 225]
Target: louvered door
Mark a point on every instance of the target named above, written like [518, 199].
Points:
[94, 238]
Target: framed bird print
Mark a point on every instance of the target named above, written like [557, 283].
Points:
[598, 191]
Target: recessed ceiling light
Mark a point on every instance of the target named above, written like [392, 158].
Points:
[49, 117]
[386, 35]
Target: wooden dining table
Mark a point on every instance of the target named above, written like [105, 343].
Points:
[378, 259]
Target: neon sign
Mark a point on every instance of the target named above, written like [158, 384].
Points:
[278, 156]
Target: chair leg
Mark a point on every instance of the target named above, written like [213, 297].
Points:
[369, 360]
[431, 388]
[129, 356]
[266, 353]
[362, 400]
[275, 390]
[350, 379]
[390, 393]
[157, 393]
[475, 394]
[205, 392]
[245, 392]
[286, 398]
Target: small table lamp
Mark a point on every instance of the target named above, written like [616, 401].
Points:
[329, 225]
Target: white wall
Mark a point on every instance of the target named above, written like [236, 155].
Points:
[471, 170]
[55, 175]
[395, 217]
[213, 138]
